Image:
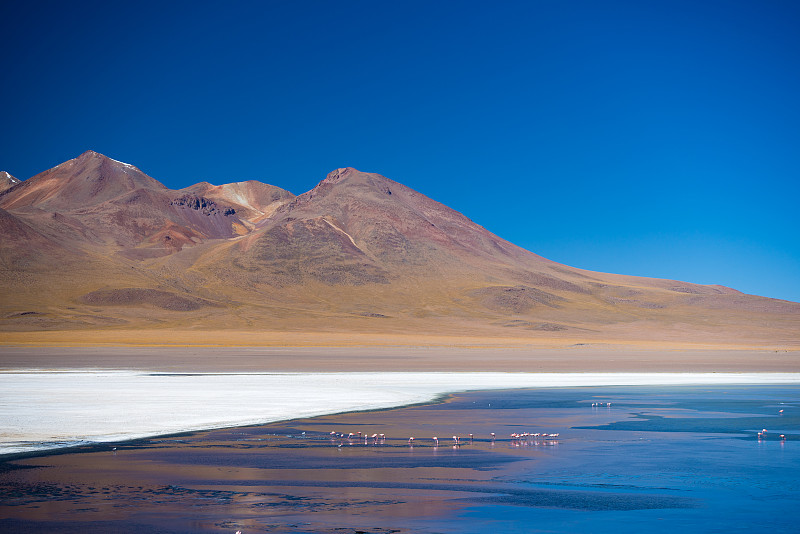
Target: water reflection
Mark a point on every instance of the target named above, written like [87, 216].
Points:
[614, 459]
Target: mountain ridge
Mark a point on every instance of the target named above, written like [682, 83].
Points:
[357, 251]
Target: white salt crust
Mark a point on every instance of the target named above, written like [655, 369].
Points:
[43, 409]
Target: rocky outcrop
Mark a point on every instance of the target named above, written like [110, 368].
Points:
[201, 204]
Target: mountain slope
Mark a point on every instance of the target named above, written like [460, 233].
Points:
[96, 242]
[356, 228]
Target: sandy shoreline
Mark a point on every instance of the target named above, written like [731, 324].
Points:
[585, 357]
[59, 396]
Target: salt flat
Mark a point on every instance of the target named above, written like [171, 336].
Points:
[43, 409]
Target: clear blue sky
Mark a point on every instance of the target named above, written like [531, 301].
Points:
[654, 138]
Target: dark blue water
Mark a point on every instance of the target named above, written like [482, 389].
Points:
[643, 459]
[666, 459]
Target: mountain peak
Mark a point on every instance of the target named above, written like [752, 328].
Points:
[345, 181]
[91, 154]
[87, 180]
[252, 198]
[338, 175]
[7, 181]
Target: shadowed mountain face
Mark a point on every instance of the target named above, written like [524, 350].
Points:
[96, 242]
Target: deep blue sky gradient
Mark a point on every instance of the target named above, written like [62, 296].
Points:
[655, 138]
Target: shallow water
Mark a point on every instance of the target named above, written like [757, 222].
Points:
[42, 409]
[656, 459]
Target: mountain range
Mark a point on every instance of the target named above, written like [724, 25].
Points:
[95, 243]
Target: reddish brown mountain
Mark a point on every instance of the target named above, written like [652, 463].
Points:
[356, 228]
[95, 201]
[79, 183]
[97, 242]
[255, 201]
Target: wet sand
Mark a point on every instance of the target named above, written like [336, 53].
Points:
[656, 459]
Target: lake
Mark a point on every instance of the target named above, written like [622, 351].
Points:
[626, 459]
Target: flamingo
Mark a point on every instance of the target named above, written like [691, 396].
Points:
[436, 441]
[492, 434]
[411, 441]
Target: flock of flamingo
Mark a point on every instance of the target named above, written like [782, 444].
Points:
[380, 439]
[517, 439]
